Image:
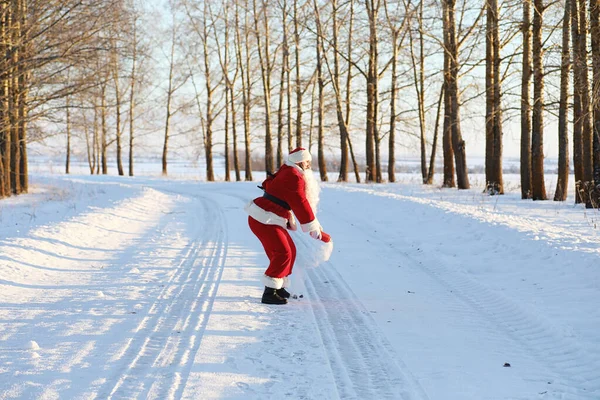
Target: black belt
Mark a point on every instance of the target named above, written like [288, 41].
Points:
[277, 201]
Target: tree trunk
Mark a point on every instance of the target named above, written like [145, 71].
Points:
[298, 80]
[458, 144]
[321, 94]
[448, 181]
[166, 139]
[88, 143]
[23, 170]
[526, 189]
[132, 97]
[170, 91]
[493, 159]
[371, 116]
[562, 181]
[343, 175]
[419, 84]
[312, 116]
[586, 115]
[392, 135]
[537, 133]
[104, 143]
[265, 69]
[246, 88]
[431, 172]
[577, 120]
[228, 91]
[23, 88]
[96, 149]
[349, 90]
[288, 95]
[227, 162]
[14, 27]
[118, 116]
[5, 146]
[68, 127]
[210, 174]
[595, 37]
[236, 160]
[95, 142]
[281, 95]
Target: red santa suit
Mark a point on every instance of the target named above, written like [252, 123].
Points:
[270, 218]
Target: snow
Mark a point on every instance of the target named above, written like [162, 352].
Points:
[115, 287]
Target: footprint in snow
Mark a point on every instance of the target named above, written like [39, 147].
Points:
[244, 386]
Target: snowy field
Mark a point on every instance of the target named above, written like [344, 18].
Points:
[116, 287]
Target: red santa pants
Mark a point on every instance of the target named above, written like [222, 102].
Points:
[278, 245]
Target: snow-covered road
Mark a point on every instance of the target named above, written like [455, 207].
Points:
[149, 288]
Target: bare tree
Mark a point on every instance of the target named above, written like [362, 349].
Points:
[266, 65]
[419, 84]
[224, 58]
[452, 94]
[537, 132]
[582, 111]
[563, 131]
[132, 87]
[5, 137]
[431, 171]
[526, 163]
[116, 76]
[283, 88]
[394, 91]
[172, 87]
[493, 154]
[372, 174]
[349, 51]
[298, 85]
[68, 129]
[321, 95]
[202, 26]
[246, 84]
[595, 38]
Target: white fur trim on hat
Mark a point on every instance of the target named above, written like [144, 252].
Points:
[275, 283]
[291, 164]
[299, 154]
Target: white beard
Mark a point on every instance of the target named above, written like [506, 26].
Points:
[312, 189]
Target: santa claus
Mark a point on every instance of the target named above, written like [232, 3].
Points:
[291, 191]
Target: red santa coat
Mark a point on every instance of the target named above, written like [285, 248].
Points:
[269, 221]
[287, 185]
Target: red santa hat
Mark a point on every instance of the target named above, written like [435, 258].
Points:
[298, 155]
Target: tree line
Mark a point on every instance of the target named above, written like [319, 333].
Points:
[244, 77]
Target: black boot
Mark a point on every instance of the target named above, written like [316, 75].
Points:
[270, 296]
[283, 293]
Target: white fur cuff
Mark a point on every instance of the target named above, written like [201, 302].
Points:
[311, 226]
[275, 283]
[263, 216]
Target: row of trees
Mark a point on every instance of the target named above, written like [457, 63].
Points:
[257, 75]
[14, 78]
[40, 42]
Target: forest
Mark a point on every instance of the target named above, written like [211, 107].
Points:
[352, 80]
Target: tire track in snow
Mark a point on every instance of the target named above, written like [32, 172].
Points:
[560, 356]
[572, 380]
[362, 361]
[159, 356]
